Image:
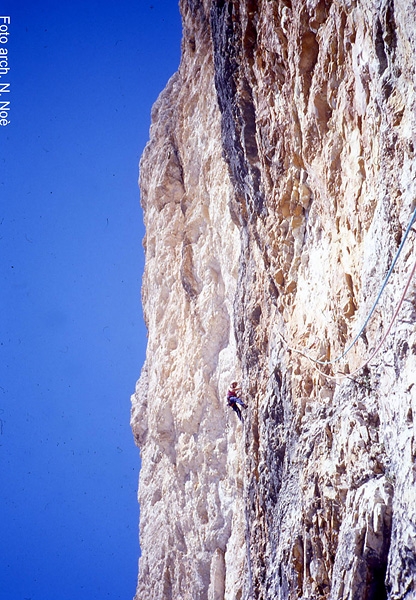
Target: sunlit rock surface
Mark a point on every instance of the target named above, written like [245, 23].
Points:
[277, 185]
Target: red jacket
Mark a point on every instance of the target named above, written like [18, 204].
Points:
[231, 396]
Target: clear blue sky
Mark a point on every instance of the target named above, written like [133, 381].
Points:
[83, 77]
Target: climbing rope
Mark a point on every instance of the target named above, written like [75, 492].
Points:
[335, 360]
[370, 314]
[341, 374]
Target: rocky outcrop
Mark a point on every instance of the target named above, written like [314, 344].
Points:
[277, 185]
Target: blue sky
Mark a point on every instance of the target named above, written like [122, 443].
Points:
[83, 77]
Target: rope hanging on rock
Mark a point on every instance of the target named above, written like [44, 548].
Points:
[343, 375]
[341, 356]
[370, 314]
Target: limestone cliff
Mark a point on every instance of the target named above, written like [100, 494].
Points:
[277, 185]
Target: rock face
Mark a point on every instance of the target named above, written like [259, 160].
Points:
[277, 185]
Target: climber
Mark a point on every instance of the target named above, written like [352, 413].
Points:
[233, 398]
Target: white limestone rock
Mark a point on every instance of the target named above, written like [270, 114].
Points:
[276, 186]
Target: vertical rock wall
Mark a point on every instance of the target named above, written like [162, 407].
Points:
[277, 185]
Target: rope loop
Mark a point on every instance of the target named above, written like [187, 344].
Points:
[316, 362]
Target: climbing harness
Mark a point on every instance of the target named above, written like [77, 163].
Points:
[316, 362]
